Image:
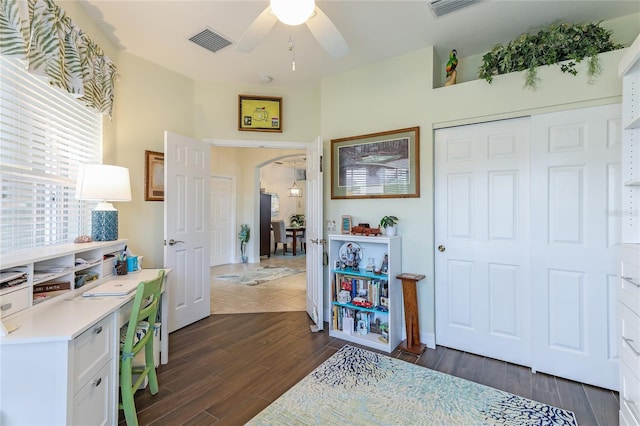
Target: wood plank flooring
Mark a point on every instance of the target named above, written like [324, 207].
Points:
[225, 369]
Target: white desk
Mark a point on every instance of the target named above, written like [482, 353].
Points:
[61, 365]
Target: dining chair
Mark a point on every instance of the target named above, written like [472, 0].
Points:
[280, 236]
[139, 336]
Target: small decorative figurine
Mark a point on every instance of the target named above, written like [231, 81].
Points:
[451, 68]
[385, 264]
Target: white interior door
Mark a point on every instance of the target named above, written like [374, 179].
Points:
[186, 228]
[314, 234]
[482, 266]
[222, 220]
[575, 235]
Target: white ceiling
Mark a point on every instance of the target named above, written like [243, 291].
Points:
[159, 30]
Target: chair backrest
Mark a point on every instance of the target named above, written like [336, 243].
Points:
[145, 308]
[279, 231]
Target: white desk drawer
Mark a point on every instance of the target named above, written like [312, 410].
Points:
[13, 302]
[629, 293]
[92, 349]
[630, 336]
[93, 404]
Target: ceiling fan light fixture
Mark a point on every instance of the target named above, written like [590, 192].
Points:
[293, 12]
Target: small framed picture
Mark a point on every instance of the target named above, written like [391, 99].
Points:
[346, 224]
[259, 113]
[153, 176]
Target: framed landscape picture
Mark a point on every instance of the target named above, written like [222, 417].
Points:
[259, 113]
[153, 176]
[376, 165]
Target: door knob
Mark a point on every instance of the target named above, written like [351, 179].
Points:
[173, 242]
[441, 248]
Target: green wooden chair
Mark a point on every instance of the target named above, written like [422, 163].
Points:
[145, 311]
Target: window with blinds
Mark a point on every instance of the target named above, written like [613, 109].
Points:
[45, 134]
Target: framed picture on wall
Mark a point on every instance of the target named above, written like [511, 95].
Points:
[259, 114]
[376, 165]
[153, 176]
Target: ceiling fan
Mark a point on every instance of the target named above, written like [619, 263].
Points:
[318, 23]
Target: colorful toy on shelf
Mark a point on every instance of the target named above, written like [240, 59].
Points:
[361, 301]
[365, 230]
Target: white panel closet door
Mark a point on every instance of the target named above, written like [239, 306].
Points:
[575, 237]
[482, 257]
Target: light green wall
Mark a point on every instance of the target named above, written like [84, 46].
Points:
[148, 100]
[216, 112]
[216, 117]
[397, 93]
[391, 94]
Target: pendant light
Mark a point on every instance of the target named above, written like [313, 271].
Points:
[294, 191]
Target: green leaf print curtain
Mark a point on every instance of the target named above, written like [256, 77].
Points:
[40, 32]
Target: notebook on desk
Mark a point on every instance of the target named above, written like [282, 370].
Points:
[113, 288]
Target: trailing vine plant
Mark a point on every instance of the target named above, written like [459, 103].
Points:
[551, 44]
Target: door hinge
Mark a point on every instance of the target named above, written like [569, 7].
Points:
[321, 164]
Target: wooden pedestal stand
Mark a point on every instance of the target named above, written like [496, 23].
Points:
[412, 343]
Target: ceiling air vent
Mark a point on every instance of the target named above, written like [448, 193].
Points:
[210, 40]
[442, 7]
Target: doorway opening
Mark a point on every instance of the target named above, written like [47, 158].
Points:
[264, 290]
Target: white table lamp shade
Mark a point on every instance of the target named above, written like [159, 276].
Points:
[103, 183]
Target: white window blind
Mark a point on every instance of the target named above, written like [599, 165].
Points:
[45, 134]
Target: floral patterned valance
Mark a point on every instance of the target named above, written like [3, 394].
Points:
[40, 32]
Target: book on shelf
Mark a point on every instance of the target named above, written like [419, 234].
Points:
[12, 278]
[51, 286]
[41, 297]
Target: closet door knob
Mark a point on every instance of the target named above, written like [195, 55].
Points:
[441, 248]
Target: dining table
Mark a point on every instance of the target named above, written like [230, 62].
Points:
[295, 231]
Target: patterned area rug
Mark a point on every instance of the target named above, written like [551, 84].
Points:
[359, 387]
[259, 275]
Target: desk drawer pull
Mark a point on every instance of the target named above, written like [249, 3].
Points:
[6, 307]
[97, 382]
[630, 342]
[97, 330]
[630, 281]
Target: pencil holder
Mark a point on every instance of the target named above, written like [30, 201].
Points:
[121, 267]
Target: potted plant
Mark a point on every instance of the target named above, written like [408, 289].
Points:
[297, 220]
[558, 42]
[244, 236]
[389, 225]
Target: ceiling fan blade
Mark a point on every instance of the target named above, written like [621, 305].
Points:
[327, 34]
[257, 31]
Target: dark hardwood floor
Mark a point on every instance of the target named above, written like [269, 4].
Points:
[225, 369]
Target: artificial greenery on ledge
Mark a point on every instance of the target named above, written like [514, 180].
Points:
[551, 44]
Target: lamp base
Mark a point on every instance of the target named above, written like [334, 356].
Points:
[104, 225]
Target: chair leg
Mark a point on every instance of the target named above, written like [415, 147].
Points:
[126, 392]
[150, 363]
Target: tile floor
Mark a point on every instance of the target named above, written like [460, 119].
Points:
[283, 295]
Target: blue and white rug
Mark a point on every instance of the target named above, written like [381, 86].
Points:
[259, 275]
[359, 387]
